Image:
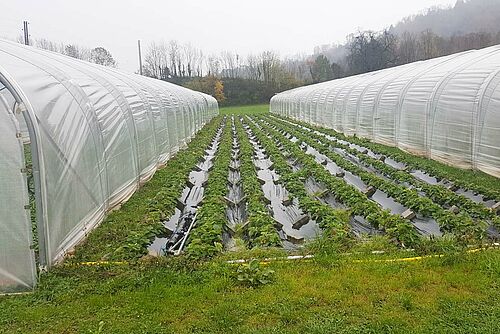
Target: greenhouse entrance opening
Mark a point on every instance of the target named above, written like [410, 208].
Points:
[17, 198]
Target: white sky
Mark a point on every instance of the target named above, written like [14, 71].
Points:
[250, 26]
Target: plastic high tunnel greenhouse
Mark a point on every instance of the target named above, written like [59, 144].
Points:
[447, 108]
[94, 134]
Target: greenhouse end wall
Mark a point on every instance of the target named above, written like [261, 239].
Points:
[96, 134]
[447, 108]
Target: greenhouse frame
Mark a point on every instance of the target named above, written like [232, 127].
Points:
[446, 108]
[94, 135]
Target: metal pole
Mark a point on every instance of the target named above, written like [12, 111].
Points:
[140, 57]
[26, 33]
[193, 223]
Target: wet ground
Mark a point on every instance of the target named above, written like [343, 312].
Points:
[295, 225]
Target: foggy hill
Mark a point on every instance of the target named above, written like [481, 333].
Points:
[465, 17]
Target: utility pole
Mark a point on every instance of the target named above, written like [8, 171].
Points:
[140, 57]
[26, 33]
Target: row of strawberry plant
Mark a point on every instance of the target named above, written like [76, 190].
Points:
[333, 222]
[126, 233]
[205, 239]
[260, 225]
[478, 182]
[459, 224]
[437, 193]
[394, 225]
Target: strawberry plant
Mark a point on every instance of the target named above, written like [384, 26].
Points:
[253, 274]
[406, 196]
[358, 202]
[479, 182]
[437, 193]
[334, 222]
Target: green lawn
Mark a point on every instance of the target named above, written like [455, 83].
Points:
[336, 292]
[245, 110]
[447, 295]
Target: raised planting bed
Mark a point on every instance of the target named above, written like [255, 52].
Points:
[357, 201]
[333, 221]
[293, 226]
[180, 224]
[441, 193]
[259, 228]
[478, 183]
[206, 238]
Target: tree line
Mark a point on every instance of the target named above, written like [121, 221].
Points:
[267, 73]
[96, 55]
[231, 78]
[235, 79]
[367, 51]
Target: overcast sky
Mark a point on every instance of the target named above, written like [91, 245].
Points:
[251, 26]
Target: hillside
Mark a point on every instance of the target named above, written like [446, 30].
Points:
[465, 17]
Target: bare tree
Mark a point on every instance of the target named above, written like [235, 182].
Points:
[408, 48]
[174, 57]
[270, 64]
[228, 62]
[199, 62]
[298, 67]
[253, 68]
[43, 43]
[155, 60]
[429, 44]
[213, 65]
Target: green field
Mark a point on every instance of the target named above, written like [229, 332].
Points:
[245, 110]
[110, 285]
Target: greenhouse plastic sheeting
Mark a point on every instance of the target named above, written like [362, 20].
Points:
[17, 262]
[97, 133]
[447, 108]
